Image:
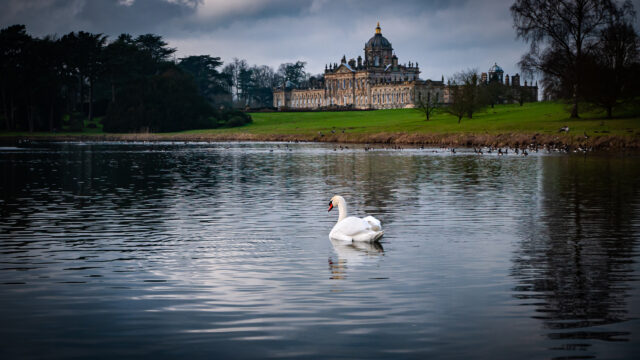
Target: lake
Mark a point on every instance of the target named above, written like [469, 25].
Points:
[202, 251]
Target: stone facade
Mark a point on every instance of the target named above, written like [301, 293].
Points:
[376, 82]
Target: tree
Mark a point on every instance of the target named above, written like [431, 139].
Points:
[165, 102]
[473, 97]
[428, 103]
[613, 64]
[495, 92]
[561, 30]
[93, 45]
[522, 94]
[210, 82]
[84, 60]
[50, 79]
[232, 70]
[245, 85]
[293, 72]
[155, 47]
[122, 60]
[465, 94]
[456, 105]
[264, 80]
[14, 42]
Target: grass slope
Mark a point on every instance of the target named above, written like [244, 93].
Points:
[504, 124]
[532, 118]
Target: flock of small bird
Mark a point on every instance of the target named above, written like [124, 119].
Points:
[499, 151]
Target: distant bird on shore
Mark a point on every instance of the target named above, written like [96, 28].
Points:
[564, 129]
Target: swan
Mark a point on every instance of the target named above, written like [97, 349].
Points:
[351, 228]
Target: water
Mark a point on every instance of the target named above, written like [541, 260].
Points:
[221, 251]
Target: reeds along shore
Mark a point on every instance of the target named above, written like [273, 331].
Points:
[566, 142]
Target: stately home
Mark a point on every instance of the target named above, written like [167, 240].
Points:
[376, 82]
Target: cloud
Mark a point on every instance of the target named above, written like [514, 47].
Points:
[442, 36]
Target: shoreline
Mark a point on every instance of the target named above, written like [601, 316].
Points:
[564, 141]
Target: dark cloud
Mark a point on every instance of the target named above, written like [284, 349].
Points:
[101, 16]
[443, 36]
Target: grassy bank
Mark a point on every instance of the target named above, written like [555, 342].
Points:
[504, 125]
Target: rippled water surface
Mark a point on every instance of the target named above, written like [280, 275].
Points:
[222, 251]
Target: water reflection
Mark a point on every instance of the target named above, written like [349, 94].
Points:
[575, 261]
[351, 254]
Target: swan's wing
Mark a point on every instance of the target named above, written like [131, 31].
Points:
[356, 229]
[374, 223]
[351, 226]
[369, 236]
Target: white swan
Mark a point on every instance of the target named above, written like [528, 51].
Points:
[352, 228]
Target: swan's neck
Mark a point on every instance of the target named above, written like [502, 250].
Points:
[342, 209]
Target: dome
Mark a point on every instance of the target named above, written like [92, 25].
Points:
[378, 41]
[495, 68]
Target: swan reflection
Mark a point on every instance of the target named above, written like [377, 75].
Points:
[351, 254]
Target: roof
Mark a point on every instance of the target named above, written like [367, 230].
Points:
[495, 68]
[378, 41]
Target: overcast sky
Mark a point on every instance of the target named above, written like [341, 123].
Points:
[442, 36]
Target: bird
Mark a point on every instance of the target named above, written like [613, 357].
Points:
[351, 228]
[564, 129]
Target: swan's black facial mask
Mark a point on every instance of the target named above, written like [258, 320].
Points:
[330, 206]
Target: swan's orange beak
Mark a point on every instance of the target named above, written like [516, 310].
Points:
[330, 206]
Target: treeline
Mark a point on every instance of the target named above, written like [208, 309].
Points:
[586, 50]
[132, 83]
[252, 86]
[468, 94]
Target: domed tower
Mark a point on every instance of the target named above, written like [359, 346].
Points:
[496, 73]
[378, 51]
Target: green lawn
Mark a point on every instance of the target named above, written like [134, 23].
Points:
[541, 117]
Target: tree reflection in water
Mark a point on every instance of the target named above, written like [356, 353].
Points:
[575, 260]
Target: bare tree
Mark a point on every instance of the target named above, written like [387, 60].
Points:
[466, 96]
[473, 96]
[234, 69]
[428, 103]
[613, 66]
[561, 30]
[456, 105]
